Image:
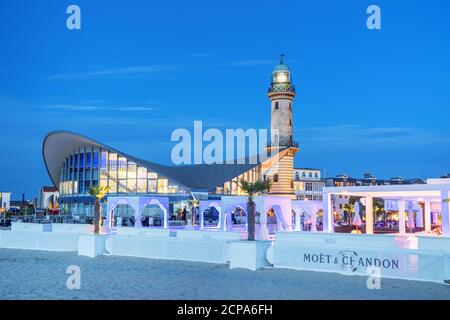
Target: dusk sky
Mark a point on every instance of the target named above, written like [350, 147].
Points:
[367, 100]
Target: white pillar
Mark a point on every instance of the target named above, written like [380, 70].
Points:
[427, 216]
[263, 233]
[202, 221]
[369, 215]
[229, 221]
[166, 218]
[137, 217]
[327, 213]
[419, 218]
[445, 212]
[223, 222]
[401, 216]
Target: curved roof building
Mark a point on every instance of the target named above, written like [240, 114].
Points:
[76, 163]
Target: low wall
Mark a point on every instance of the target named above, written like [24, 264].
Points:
[434, 243]
[150, 232]
[353, 254]
[214, 235]
[24, 226]
[47, 237]
[52, 227]
[38, 240]
[213, 251]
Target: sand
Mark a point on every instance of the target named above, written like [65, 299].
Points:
[27, 274]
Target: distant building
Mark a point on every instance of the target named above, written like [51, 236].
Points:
[368, 179]
[49, 197]
[5, 200]
[308, 184]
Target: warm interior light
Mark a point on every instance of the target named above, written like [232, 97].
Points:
[281, 77]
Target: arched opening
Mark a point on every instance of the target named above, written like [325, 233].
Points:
[210, 217]
[271, 221]
[152, 216]
[123, 216]
[276, 105]
[238, 216]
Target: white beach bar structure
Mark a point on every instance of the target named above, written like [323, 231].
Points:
[423, 256]
[435, 192]
[280, 205]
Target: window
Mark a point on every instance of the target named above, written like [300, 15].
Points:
[290, 106]
[290, 123]
[151, 186]
[275, 177]
[131, 185]
[310, 174]
[88, 159]
[142, 173]
[276, 105]
[142, 185]
[122, 168]
[297, 176]
[162, 185]
[303, 174]
[152, 175]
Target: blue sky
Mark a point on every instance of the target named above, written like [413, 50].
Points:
[375, 101]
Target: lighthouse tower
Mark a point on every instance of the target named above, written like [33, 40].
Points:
[281, 94]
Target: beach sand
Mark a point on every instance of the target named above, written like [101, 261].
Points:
[27, 274]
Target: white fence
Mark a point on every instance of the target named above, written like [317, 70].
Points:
[354, 254]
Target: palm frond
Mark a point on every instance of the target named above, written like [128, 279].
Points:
[98, 192]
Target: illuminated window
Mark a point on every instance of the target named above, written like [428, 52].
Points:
[142, 185]
[112, 186]
[142, 173]
[122, 168]
[122, 186]
[152, 175]
[162, 185]
[131, 185]
[152, 186]
[103, 182]
[132, 170]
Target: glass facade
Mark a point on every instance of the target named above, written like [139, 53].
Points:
[92, 166]
[232, 187]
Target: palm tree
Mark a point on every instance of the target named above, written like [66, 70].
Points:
[99, 193]
[252, 189]
[350, 208]
[193, 203]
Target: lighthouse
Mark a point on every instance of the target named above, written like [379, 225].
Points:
[281, 94]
